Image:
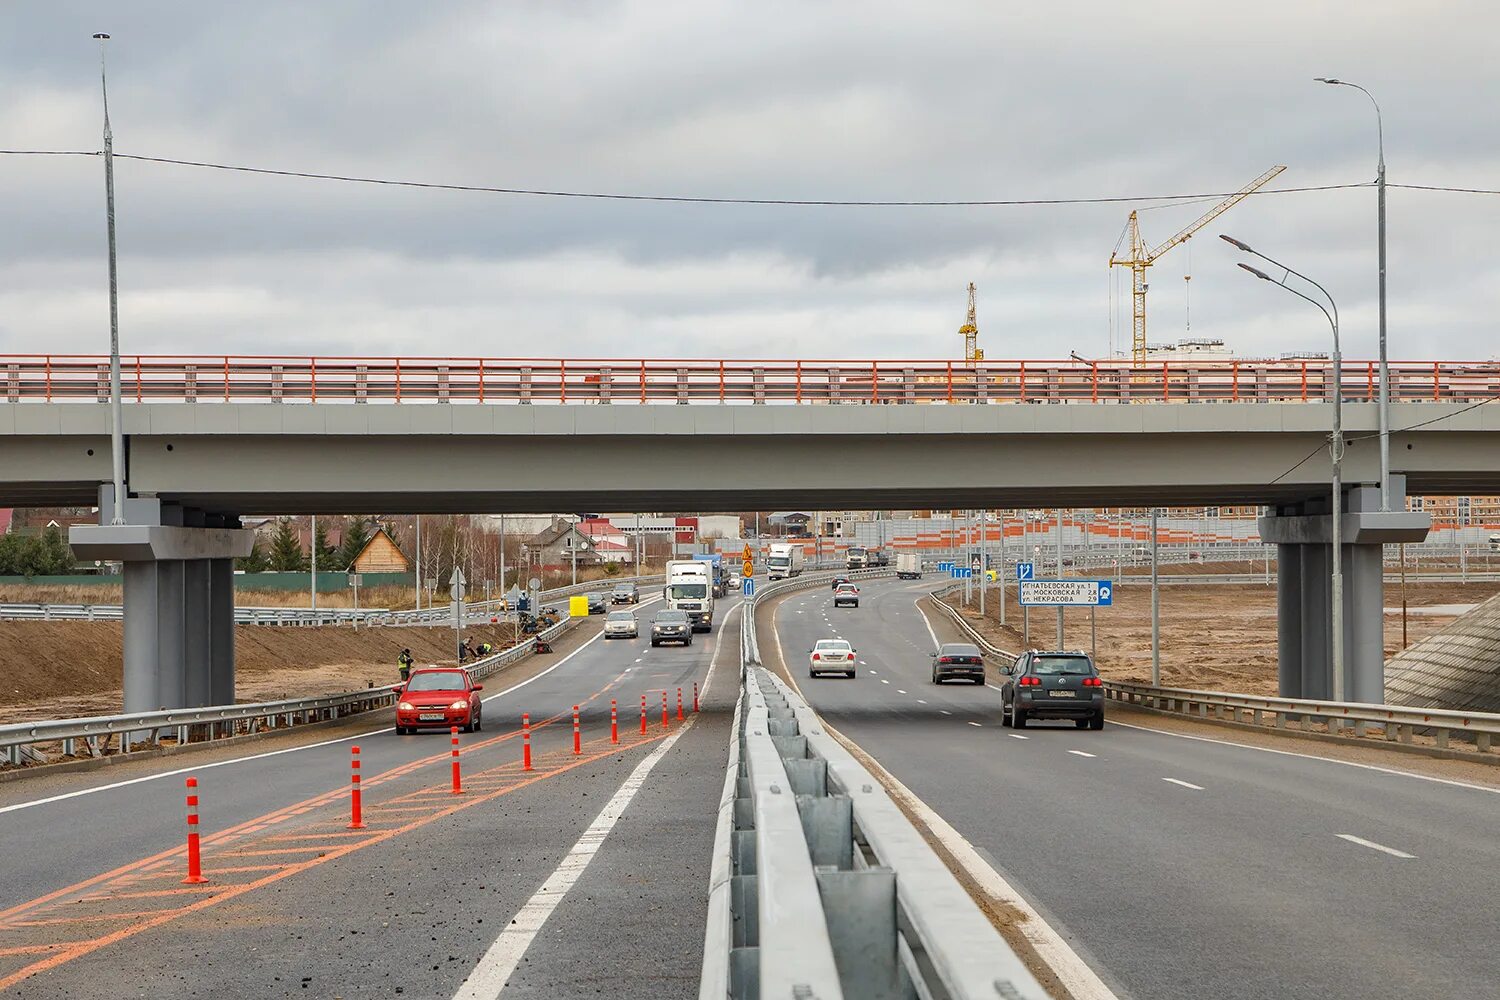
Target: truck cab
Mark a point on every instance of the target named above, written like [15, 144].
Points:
[690, 590]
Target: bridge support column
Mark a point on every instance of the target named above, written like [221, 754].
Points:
[1303, 534]
[179, 599]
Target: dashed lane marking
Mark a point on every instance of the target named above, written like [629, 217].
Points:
[1184, 784]
[1018, 736]
[976, 725]
[1362, 842]
[1082, 753]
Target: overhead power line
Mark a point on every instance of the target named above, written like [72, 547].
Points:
[683, 199]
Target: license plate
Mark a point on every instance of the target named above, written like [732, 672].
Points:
[430, 717]
[1065, 694]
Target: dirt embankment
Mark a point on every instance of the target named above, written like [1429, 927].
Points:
[1214, 637]
[71, 668]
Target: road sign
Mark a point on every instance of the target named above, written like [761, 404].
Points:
[747, 555]
[749, 568]
[1025, 571]
[354, 580]
[1067, 593]
[747, 586]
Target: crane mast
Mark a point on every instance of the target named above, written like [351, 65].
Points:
[1141, 256]
[970, 331]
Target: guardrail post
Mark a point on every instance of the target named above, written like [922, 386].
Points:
[1482, 742]
[1440, 737]
[861, 909]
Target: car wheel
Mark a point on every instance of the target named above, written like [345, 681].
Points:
[1097, 722]
[812, 673]
[1004, 715]
[936, 677]
[979, 680]
[1017, 717]
[400, 730]
[849, 674]
[654, 644]
[1083, 723]
[479, 722]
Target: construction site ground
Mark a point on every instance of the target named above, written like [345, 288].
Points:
[1217, 637]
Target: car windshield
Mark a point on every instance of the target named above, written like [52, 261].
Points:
[625, 588]
[437, 680]
[958, 649]
[620, 616]
[678, 591]
[832, 644]
[672, 617]
[848, 588]
[597, 595]
[1070, 665]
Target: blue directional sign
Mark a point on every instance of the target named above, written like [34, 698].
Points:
[1025, 571]
[747, 586]
[1067, 593]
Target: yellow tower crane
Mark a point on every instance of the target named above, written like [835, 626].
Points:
[1142, 257]
[970, 331]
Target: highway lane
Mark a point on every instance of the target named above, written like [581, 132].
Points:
[1177, 868]
[445, 875]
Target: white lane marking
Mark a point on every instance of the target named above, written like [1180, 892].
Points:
[884, 681]
[996, 687]
[935, 643]
[1362, 842]
[638, 659]
[270, 753]
[900, 690]
[499, 962]
[923, 701]
[1184, 784]
[713, 661]
[1018, 736]
[1307, 756]
[945, 711]
[976, 725]
[1081, 982]
[1082, 753]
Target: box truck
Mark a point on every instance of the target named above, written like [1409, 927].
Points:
[908, 566]
[783, 560]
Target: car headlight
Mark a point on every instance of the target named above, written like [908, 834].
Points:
[405, 706]
[459, 704]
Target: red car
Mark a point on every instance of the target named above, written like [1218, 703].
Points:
[439, 697]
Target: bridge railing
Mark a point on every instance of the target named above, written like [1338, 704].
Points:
[243, 378]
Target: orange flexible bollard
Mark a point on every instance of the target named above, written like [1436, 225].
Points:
[643, 715]
[577, 737]
[458, 785]
[195, 864]
[525, 741]
[695, 697]
[665, 721]
[356, 812]
[614, 723]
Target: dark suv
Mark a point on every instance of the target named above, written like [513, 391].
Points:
[1052, 685]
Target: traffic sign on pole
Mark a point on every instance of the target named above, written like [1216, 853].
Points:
[747, 587]
[1025, 571]
[749, 568]
[1067, 593]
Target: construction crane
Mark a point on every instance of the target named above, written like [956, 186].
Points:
[970, 331]
[1142, 257]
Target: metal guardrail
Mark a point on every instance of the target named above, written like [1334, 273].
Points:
[820, 886]
[20, 741]
[249, 615]
[289, 379]
[1399, 723]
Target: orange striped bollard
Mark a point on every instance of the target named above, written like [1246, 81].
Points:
[525, 741]
[614, 723]
[356, 812]
[679, 704]
[195, 863]
[577, 736]
[664, 719]
[643, 715]
[458, 785]
[695, 697]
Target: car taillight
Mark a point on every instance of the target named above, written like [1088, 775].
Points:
[1027, 682]
[1092, 682]
[816, 656]
[945, 659]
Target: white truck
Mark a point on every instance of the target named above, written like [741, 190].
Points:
[908, 566]
[690, 590]
[783, 560]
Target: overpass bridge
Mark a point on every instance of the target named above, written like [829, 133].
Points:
[211, 437]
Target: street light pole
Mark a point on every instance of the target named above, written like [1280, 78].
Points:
[1336, 448]
[116, 429]
[1385, 374]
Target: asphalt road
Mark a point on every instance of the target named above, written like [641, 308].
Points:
[92, 905]
[1177, 868]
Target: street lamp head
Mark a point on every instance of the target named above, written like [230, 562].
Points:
[102, 37]
[1263, 276]
[1329, 79]
[1235, 243]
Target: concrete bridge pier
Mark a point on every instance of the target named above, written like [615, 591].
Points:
[179, 598]
[1302, 533]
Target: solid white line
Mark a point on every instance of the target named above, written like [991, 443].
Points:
[499, 962]
[1309, 756]
[1082, 753]
[1362, 842]
[976, 725]
[1184, 784]
[270, 753]
[935, 643]
[1018, 736]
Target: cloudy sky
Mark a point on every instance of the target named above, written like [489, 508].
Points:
[773, 99]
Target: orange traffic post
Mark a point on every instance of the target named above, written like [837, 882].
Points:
[664, 720]
[525, 741]
[614, 722]
[577, 736]
[679, 704]
[195, 863]
[458, 785]
[643, 715]
[356, 812]
[695, 697]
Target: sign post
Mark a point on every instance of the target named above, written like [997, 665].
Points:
[1024, 571]
[456, 592]
[354, 582]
